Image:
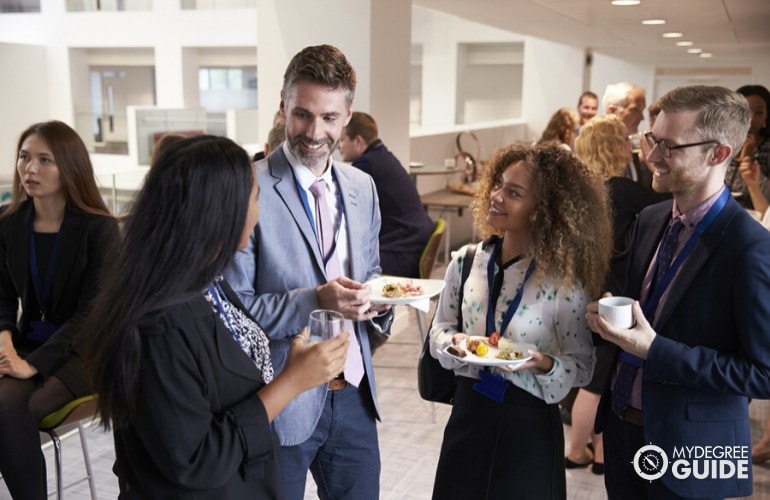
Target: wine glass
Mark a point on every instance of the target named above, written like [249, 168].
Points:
[324, 324]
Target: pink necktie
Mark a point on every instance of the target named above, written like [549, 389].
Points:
[354, 367]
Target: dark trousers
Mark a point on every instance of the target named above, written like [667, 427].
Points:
[22, 404]
[501, 451]
[343, 452]
[621, 441]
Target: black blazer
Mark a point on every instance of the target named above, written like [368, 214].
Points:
[199, 430]
[85, 242]
[406, 227]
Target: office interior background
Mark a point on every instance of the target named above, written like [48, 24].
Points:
[124, 71]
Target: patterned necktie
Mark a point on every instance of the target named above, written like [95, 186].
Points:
[354, 366]
[667, 249]
[624, 381]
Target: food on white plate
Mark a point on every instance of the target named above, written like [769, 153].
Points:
[398, 289]
[506, 350]
[456, 351]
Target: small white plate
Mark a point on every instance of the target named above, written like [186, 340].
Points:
[430, 288]
[490, 359]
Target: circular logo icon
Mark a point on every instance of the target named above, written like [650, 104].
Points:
[650, 462]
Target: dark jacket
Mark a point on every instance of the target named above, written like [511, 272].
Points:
[712, 349]
[86, 240]
[199, 429]
[405, 225]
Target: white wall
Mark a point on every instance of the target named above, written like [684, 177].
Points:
[23, 98]
[553, 78]
[606, 70]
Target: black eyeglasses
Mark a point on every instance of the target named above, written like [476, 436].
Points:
[666, 148]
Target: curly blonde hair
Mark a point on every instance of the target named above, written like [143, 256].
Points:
[572, 228]
[603, 146]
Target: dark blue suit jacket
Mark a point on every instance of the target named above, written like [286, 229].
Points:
[712, 350]
[405, 225]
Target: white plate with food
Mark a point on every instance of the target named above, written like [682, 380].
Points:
[395, 290]
[507, 352]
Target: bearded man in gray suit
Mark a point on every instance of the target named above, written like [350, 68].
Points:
[315, 248]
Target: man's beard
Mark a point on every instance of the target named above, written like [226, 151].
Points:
[312, 161]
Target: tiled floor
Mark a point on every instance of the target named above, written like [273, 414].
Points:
[410, 435]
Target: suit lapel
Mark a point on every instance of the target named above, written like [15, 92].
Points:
[286, 188]
[69, 248]
[695, 262]
[352, 211]
[233, 358]
[18, 247]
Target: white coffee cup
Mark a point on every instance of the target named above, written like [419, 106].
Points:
[617, 311]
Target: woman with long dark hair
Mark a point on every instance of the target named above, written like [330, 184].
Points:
[182, 372]
[54, 237]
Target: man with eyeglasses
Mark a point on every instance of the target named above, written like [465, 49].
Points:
[700, 271]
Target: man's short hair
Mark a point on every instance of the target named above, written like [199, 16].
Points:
[585, 94]
[724, 115]
[616, 94]
[364, 125]
[324, 65]
[654, 109]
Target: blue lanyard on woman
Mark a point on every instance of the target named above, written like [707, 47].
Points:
[309, 212]
[652, 302]
[214, 293]
[514, 305]
[42, 290]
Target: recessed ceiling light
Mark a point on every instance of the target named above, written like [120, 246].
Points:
[694, 51]
[626, 2]
[654, 21]
[673, 34]
[706, 55]
[685, 43]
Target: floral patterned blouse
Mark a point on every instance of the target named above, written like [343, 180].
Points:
[245, 330]
[551, 318]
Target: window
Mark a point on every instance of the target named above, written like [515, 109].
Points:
[227, 88]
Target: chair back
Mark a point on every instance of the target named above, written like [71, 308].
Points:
[429, 253]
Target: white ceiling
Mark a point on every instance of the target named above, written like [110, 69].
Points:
[736, 32]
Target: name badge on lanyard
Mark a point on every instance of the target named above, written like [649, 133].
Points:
[43, 329]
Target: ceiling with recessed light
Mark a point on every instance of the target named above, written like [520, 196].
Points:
[735, 32]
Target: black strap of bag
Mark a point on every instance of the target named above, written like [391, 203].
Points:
[434, 382]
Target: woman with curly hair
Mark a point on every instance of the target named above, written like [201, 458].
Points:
[548, 238]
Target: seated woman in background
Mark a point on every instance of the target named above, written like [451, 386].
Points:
[547, 255]
[603, 145]
[54, 236]
[561, 128]
[182, 372]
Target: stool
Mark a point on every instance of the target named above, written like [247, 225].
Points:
[73, 412]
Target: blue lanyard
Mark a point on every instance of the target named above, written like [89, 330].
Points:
[42, 290]
[214, 292]
[652, 302]
[514, 305]
[309, 212]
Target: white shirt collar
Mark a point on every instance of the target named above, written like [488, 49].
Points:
[303, 174]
